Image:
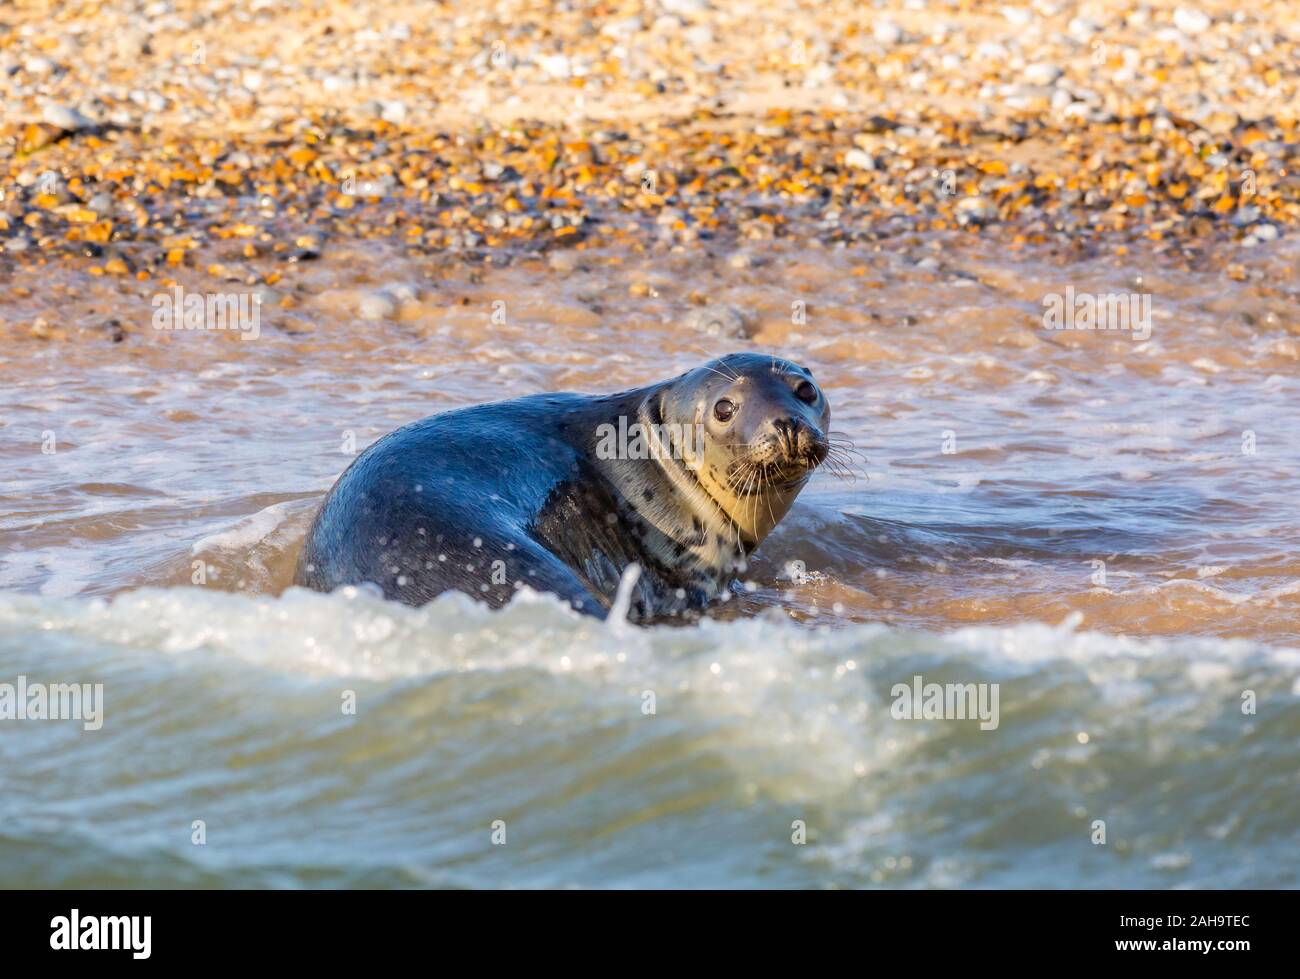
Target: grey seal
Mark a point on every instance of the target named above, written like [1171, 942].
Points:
[564, 492]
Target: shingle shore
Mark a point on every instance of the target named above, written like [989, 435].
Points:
[135, 134]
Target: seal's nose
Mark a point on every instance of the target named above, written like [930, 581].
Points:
[787, 433]
[800, 441]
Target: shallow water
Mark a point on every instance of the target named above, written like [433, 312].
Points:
[1001, 460]
[1112, 538]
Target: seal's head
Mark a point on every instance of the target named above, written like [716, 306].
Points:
[764, 424]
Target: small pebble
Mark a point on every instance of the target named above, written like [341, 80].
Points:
[375, 306]
[719, 320]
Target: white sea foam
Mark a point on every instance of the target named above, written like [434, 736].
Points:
[226, 706]
[246, 532]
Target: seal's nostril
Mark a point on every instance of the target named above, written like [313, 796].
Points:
[787, 433]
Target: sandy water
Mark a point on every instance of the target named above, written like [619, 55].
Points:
[1104, 527]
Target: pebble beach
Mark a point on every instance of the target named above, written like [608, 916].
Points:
[436, 205]
[237, 140]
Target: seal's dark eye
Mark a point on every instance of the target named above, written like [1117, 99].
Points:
[806, 392]
[723, 410]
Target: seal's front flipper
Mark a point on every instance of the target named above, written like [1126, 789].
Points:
[491, 568]
[547, 573]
